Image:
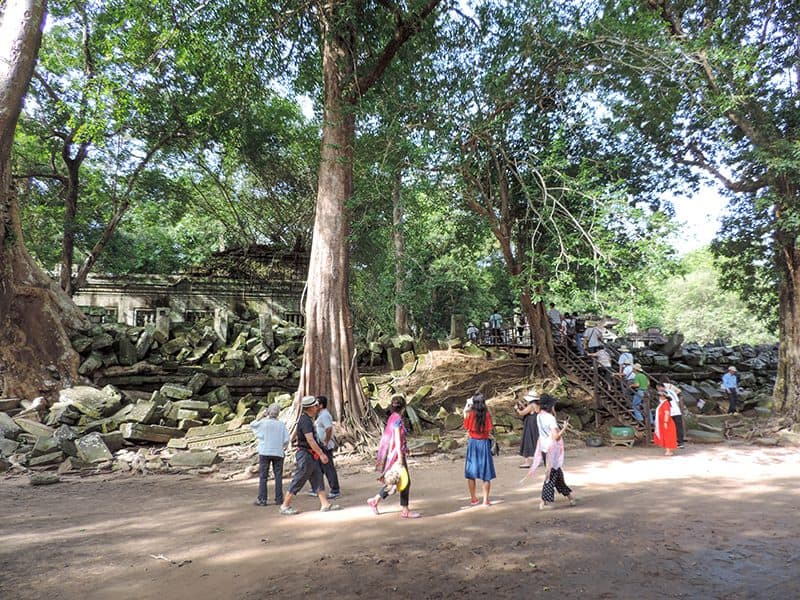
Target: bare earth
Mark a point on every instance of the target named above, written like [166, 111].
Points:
[716, 522]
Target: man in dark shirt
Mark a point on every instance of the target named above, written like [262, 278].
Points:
[308, 457]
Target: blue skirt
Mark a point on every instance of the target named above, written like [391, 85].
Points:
[480, 464]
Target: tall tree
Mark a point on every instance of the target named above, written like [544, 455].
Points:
[34, 312]
[349, 34]
[714, 87]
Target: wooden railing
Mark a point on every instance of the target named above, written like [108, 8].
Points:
[610, 398]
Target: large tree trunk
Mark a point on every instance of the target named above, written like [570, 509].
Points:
[786, 395]
[398, 237]
[543, 360]
[329, 360]
[35, 353]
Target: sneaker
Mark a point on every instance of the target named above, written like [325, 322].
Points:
[474, 502]
[311, 494]
[334, 495]
[681, 446]
[261, 503]
[545, 505]
[330, 507]
[573, 501]
[288, 510]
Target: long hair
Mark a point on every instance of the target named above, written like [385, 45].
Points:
[397, 404]
[480, 411]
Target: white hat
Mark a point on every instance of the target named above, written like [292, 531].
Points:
[308, 401]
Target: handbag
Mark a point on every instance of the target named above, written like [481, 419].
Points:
[495, 447]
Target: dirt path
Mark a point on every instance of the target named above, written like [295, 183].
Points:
[714, 523]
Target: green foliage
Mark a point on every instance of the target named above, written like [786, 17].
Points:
[699, 308]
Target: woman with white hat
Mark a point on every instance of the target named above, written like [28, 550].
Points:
[528, 410]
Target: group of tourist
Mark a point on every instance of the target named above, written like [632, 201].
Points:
[314, 445]
[542, 441]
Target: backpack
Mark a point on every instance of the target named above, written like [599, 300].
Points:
[580, 325]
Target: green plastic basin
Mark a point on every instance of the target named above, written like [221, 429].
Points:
[622, 432]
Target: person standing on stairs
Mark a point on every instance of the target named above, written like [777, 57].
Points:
[594, 338]
[639, 385]
[579, 328]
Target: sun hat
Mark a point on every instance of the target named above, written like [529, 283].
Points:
[308, 401]
[637, 367]
[732, 368]
[624, 348]
[532, 396]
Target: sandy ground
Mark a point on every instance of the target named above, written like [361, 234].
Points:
[716, 522]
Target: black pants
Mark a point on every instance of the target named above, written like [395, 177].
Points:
[264, 463]
[678, 420]
[733, 398]
[404, 494]
[306, 469]
[329, 471]
[555, 482]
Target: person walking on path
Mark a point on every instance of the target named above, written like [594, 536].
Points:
[392, 450]
[308, 456]
[731, 385]
[324, 426]
[479, 463]
[528, 409]
[550, 451]
[665, 434]
[273, 438]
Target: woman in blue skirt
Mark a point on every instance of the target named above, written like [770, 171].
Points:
[479, 465]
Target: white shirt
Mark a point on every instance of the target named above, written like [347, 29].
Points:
[628, 373]
[272, 436]
[324, 420]
[547, 423]
[625, 358]
[674, 402]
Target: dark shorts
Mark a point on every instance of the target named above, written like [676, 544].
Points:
[306, 469]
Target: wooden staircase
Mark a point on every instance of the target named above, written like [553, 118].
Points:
[609, 398]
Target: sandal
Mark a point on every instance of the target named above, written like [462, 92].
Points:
[409, 514]
[373, 504]
[329, 508]
[474, 502]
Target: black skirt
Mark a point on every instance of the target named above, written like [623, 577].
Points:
[530, 435]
